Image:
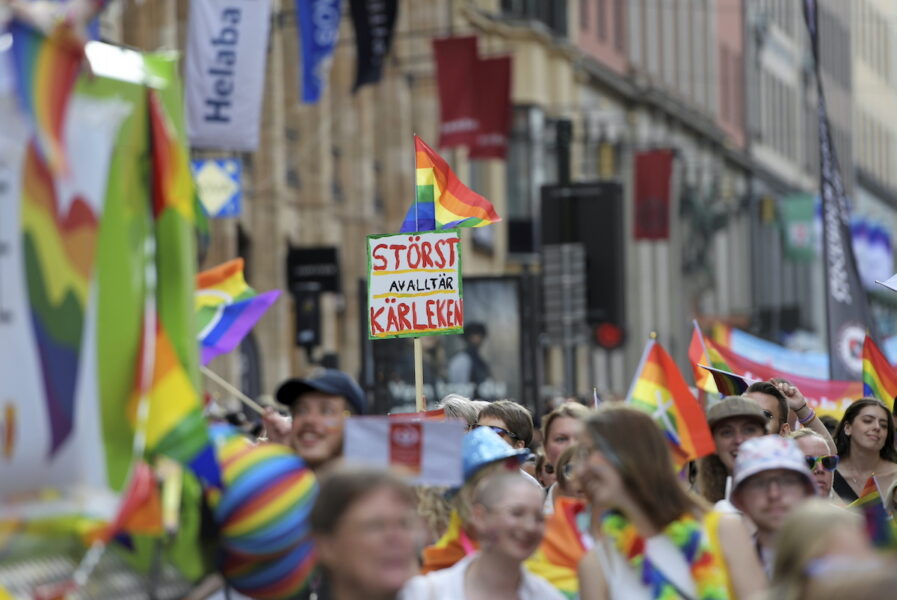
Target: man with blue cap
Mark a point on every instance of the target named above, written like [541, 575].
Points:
[319, 406]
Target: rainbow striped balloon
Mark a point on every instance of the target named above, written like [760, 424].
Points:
[268, 495]
[279, 578]
[46, 69]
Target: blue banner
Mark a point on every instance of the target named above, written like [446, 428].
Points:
[318, 34]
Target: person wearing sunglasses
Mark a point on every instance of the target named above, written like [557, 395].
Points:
[820, 461]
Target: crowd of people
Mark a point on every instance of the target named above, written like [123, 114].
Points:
[590, 505]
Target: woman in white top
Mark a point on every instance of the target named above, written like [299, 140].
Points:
[655, 540]
[507, 517]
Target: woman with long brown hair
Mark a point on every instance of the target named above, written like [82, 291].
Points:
[655, 539]
[865, 442]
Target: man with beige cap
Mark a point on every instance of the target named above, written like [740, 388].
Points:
[733, 420]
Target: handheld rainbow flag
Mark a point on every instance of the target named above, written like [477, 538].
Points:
[879, 377]
[443, 202]
[697, 355]
[728, 383]
[879, 524]
[227, 308]
[659, 389]
[45, 70]
[562, 547]
[140, 511]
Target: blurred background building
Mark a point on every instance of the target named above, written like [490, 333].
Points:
[727, 86]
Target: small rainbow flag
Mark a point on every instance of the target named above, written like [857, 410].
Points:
[879, 377]
[728, 383]
[557, 558]
[660, 390]
[879, 524]
[45, 70]
[443, 202]
[140, 511]
[227, 308]
[697, 355]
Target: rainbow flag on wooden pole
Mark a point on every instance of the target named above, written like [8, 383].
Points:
[442, 201]
[660, 390]
[879, 377]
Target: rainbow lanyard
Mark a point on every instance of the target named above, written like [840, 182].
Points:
[687, 535]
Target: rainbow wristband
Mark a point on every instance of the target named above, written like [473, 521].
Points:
[809, 418]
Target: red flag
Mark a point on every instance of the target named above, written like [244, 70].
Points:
[653, 172]
[456, 66]
[493, 107]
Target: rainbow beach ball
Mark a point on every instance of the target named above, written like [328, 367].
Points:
[267, 498]
[277, 578]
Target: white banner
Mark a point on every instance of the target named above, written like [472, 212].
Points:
[429, 452]
[226, 50]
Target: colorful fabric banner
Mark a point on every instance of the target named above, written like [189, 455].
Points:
[846, 308]
[873, 249]
[318, 34]
[890, 283]
[443, 202]
[659, 390]
[46, 69]
[374, 22]
[825, 397]
[797, 213]
[758, 350]
[227, 44]
[227, 308]
[51, 368]
[456, 65]
[653, 178]
[492, 80]
[879, 376]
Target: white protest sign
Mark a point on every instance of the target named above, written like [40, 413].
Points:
[414, 284]
[428, 451]
[227, 45]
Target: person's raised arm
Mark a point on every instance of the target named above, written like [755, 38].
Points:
[745, 573]
[805, 415]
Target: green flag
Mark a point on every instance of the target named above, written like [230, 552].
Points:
[796, 214]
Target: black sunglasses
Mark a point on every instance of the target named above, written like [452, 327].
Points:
[829, 463]
[500, 431]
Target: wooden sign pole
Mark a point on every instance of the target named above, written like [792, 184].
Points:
[419, 375]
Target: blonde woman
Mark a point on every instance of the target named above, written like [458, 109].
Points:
[815, 541]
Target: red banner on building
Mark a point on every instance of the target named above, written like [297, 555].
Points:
[493, 107]
[653, 174]
[456, 66]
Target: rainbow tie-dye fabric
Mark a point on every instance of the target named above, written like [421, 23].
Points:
[443, 202]
[46, 69]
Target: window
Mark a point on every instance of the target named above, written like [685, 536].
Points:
[602, 20]
[724, 82]
[583, 15]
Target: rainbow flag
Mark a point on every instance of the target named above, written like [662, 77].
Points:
[697, 355]
[879, 524]
[227, 308]
[443, 202]
[45, 70]
[173, 183]
[728, 383]
[660, 390]
[557, 558]
[140, 511]
[879, 377]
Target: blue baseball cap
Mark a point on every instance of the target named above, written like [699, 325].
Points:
[482, 447]
[330, 381]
